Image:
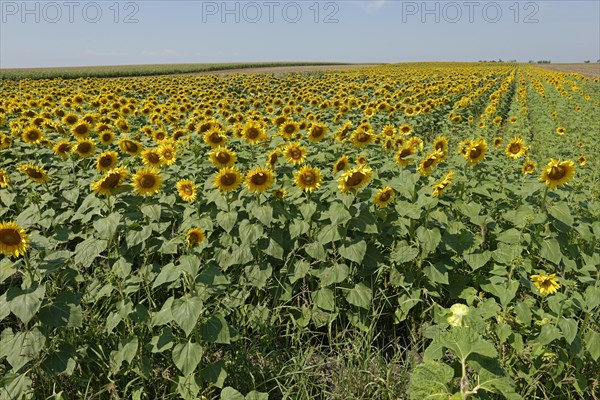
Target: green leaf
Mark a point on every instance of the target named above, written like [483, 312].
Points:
[163, 341]
[477, 260]
[54, 261]
[329, 233]
[298, 270]
[405, 303]
[298, 227]
[592, 344]
[315, 250]
[436, 273]
[272, 249]
[360, 295]
[263, 214]
[126, 351]
[64, 311]
[186, 311]
[152, 211]
[592, 297]
[404, 252]
[187, 356]
[254, 395]
[25, 303]
[307, 210]
[7, 269]
[215, 373]
[190, 264]
[230, 393]
[107, 227]
[523, 312]
[337, 273]
[547, 335]
[88, 250]
[250, 232]
[258, 275]
[430, 381]
[136, 236]
[550, 250]
[60, 361]
[21, 347]
[562, 213]
[216, 330]
[227, 220]
[354, 251]
[429, 239]
[568, 326]
[338, 214]
[463, 341]
[168, 274]
[324, 299]
[14, 386]
[510, 236]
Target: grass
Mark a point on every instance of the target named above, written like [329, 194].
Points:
[115, 71]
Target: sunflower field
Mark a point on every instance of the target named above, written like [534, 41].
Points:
[408, 231]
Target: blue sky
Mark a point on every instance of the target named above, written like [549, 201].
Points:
[81, 32]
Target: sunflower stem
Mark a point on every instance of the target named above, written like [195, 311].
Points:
[28, 267]
[544, 200]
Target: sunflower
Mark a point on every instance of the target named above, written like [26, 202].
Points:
[62, 148]
[227, 179]
[308, 178]
[4, 181]
[354, 179]
[214, 137]
[476, 152]
[558, 173]
[85, 147]
[279, 193]
[187, 190]
[111, 181]
[516, 148]
[404, 155]
[32, 135]
[254, 132]
[528, 167]
[5, 141]
[362, 160]
[129, 146]
[546, 284]
[513, 119]
[429, 162]
[497, 141]
[159, 136]
[388, 131]
[416, 143]
[151, 158]
[438, 188]
[14, 240]
[81, 130]
[405, 129]
[581, 161]
[194, 236]
[70, 119]
[560, 130]
[168, 154]
[107, 161]
[222, 157]
[106, 137]
[463, 147]
[384, 196]
[288, 129]
[122, 125]
[341, 164]
[440, 144]
[259, 180]
[273, 157]
[317, 132]
[361, 138]
[295, 153]
[36, 174]
[147, 181]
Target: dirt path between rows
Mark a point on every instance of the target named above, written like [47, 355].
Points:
[590, 70]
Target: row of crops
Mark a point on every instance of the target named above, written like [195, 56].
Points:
[193, 236]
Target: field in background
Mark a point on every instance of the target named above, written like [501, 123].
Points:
[591, 70]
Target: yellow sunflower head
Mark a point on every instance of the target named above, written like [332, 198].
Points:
[35, 173]
[106, 137]
[528, 167]
[342, 164]
[388, 131]
[62, 148]
[81, 130]
[476, 152]
[107, 161]
[110, 182]
[288, 129]
[254, 132]
[151, 158]
[147, 181]
[561, 130]
[384, 196]
[361, 137]
[85, 147]
[228, 179]
[14, 240]
[440, 145]
[187, 190]
[355, 179]
[516, 148]
[546, 284]
[32, 135]
[429, 162]
[168, 153]
[259, 180]
[497, 141]
[558, 173]
[295, 153]
[4, 179]
[223, 157]
[308, 178]
[272, 158]
[438, 188]
[129, 146]
[581, 160]
[317, 132]
[194, 236]
[404, 156]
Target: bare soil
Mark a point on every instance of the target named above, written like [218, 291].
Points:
[590, 70]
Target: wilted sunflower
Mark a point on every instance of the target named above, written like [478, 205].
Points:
[581, 161]
[560, 130]
[476, 152]
[259, 180]
[516, 148]
[168, 154]
[129, 146]
[85, 147]
[528, 167]
[438, 188]
[404, 156]
[215, 137]
[36, 174]
[187, 190]
[32, 135]
[62, 148]
[147, 181]
[194, 236]
[317, 132]
[14, 240]
[354, 179]
[4, 181]
[151, 158]
[295, 153]
[107, 161]
[546, 284]
[254, 132]
[558, 173]
[106, 137]
[222, 157]
[384, 196]
[228, 179]
[81, 130]
[308, 178]
[111, 181]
